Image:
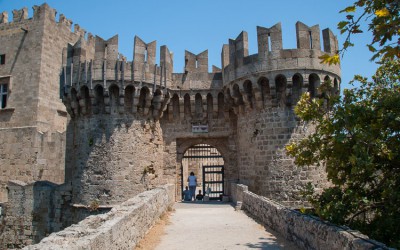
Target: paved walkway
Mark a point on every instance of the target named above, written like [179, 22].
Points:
[216, 226]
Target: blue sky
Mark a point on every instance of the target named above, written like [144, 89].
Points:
[206, 24]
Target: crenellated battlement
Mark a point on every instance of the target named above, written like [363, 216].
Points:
[196, 63]
[271, 56]
[274, 77]
[109, 65]
[40, 14]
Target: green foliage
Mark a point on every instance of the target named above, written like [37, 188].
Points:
[357, 138]
[383, 21]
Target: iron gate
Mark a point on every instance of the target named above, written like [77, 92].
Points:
[213, 181]
[208, 165]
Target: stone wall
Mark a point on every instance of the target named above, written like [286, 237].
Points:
[307, 232]
[28, 154]
[121, 228]
[36, 209]
[262, 162]
[113, 159]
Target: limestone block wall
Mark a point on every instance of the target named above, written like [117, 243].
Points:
[197, 80]
[20, 43]
[32, 126]
[30, 155]
[111, 159]
[262, 162]
[305, 231]
[51, 111]
[121, 228]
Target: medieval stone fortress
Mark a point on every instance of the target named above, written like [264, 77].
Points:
[83, 130]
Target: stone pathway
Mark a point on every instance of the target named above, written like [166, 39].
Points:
[216, 225]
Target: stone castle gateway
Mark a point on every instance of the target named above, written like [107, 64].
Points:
[79, 123]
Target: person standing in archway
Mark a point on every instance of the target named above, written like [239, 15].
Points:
[192, 183]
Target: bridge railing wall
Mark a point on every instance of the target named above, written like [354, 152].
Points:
[121, 228]
[306, 231]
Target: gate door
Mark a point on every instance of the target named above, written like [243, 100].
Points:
[207, 163]
[213, 181]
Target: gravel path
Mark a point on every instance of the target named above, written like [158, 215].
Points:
[216, 226]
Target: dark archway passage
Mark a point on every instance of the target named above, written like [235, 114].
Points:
[207, 163]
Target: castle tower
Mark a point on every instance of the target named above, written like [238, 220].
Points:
[32, 117]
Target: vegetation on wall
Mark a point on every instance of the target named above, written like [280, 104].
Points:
[357, 136]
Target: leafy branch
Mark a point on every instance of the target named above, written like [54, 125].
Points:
[384, 23]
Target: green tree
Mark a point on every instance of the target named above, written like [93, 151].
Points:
[357, 139]
[357, 136]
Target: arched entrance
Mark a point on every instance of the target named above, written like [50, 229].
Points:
[207, 163]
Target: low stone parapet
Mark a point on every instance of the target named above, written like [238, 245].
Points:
[121, 228]
[307, 232]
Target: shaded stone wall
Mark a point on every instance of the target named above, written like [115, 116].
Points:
[37, 209]
[113, 159]
[307, 232]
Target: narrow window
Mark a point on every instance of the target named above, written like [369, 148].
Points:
[3, 96]
[145, 55]
[197, 64]
[269, 43]
[2, 59]
[311, 45]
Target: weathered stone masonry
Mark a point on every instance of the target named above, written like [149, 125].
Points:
[247, 106]
[307, 232]
[80, 115]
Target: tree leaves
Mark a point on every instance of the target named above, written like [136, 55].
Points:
[328, 59]
[342, 24]
[371, 48]
[349, 9]
[384, 22]
[382, 12]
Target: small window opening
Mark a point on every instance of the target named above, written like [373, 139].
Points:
[145, 55]
[269, 43]
[197, 64]
[311, 45]
[2, 59]
[3, 96]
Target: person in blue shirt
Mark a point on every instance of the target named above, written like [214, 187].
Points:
[192, 181]
[186, 194]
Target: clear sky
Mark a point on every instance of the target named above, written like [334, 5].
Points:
[207, 24]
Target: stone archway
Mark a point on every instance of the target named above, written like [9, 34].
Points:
[222, 145]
